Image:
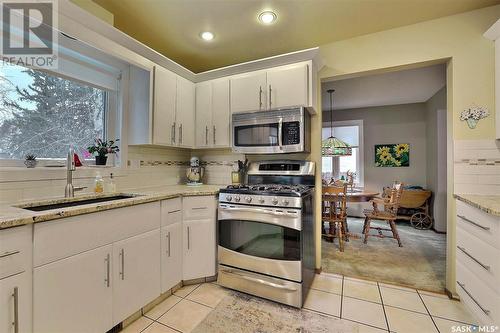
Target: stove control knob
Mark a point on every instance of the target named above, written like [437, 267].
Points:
[275, 201]
[229, 198]
[248, 199]
[261, 200]
[237, 199]
[286, 202]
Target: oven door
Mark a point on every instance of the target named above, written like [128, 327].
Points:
[261, 239]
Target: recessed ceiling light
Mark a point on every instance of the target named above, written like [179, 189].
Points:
[207, 35]
[267, 17]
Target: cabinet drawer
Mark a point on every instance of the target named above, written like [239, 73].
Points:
[480, 299]
[171, 211]
[478, 223]
[480, 257]
[62, 238]
[15, 250]
[198, 208]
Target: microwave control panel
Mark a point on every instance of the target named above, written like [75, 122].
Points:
[291, 133]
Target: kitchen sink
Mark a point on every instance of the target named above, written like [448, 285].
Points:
[74, 203]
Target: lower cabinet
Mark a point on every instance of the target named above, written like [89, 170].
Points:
[74, 294]
[15, 303]
[171, 256]
[136, 273]
[198, 249]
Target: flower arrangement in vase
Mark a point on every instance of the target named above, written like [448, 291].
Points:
[473, 114]
[102, 148]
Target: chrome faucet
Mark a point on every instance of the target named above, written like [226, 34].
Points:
[69, 190]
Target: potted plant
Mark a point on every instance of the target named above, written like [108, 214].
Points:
[101, 149]
[30, 160]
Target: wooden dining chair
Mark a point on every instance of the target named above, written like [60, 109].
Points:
[388, 214]
[334, 212]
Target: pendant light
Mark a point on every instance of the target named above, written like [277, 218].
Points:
[333, 146]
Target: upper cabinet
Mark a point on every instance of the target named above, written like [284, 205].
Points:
[213, 114]
[165, 91]
[161, 106]
[273, 88]
[248, 92]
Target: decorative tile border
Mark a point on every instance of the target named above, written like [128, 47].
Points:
[160, 163]
[479, 161]
[219, 163]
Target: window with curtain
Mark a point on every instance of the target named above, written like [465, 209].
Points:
[338, 166]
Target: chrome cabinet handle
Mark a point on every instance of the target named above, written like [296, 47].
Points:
[261, 281]
[280, 133]
[168, 242]
[473, 223]
[199, 208]
[486, 312]
[122, 258]
[486, 267]
[15, 296]
[180, 134]
[8, 254]
[270, 97]
[206, 135]
[106, 279]
[189, 244]
[173, 211]
[260, 97]
[214, 135]
[173, 132]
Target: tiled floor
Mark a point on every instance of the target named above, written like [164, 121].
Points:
[376, 307]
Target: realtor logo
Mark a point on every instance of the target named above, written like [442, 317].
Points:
[29, 33]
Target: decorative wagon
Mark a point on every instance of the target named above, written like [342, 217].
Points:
[414, 207]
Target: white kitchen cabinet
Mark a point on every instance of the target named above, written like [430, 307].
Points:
[248, 92]
[213, 115]
[203, 114]
[277, 87]
[184, 113]
[165, 91]
[74, 294]
[287, 86]
[171, 256]
[15, 303]
[136, 273]
[198, 249]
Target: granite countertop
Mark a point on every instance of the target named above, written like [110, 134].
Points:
[14, 215]
[487, 203]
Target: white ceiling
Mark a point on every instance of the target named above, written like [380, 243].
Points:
[401, 87]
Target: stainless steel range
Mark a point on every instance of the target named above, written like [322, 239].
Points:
[266, 232]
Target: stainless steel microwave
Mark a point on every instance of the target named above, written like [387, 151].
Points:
[275, 131]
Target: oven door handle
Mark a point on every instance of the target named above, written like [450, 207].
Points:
[261, 281]
[258, 210]
[280, 133]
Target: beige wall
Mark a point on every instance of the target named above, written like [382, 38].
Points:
[436, 156]
[470, 77]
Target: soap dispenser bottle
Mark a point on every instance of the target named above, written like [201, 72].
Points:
[99, 183]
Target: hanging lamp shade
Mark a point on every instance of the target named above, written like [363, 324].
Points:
[335, 147]
[332, 146]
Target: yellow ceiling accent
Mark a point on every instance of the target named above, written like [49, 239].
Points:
[172, 27]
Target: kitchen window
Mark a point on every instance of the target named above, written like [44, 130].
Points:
[45, 112]
[337, 167]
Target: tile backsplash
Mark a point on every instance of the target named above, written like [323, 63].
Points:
[477, 166]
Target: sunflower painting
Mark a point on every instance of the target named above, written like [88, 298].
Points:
[392, 155]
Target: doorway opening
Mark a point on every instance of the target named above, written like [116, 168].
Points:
[395, 125]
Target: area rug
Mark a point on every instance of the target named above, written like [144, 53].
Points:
[243, 313]
[420, 263]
